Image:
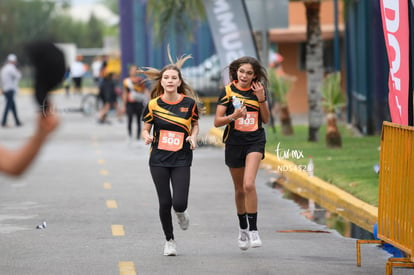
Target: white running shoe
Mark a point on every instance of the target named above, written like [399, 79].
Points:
[255, 240]
[243, 239]
[170, 248]
[183, 219]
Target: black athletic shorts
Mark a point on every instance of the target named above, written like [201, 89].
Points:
[235, 155]
[77, 81]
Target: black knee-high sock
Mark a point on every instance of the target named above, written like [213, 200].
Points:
[252, 217]
[242, 221]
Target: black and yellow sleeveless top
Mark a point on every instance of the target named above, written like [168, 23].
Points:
[246, 130]
[171, 126]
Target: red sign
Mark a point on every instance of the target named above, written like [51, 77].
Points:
[396, 32]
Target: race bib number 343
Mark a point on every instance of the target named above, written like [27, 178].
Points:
[170, 140]
[248, 124]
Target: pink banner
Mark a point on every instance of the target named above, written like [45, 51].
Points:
[396, 32]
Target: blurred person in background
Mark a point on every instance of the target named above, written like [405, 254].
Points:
[135, 97]
[10, 76]
[109, 90]
[96, 68]
[77, 72]
[108, 96]
[66, 82]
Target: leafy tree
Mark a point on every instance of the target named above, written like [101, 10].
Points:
[280, 85]
[333, 100]
[112, 5]
[64, 29]
[180, 15]
[22, 21]
[25, 20]
[94, 33]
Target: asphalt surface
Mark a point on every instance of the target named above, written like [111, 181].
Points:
[94, 191]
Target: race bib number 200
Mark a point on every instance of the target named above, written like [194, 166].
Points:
[170, 140]
[247, 124]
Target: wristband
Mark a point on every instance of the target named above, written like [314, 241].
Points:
[263, 101]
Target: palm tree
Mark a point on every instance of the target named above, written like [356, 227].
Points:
[178, 14]
[333, 99]
[314, 67]
[280, 86]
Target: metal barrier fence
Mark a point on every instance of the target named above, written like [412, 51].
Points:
[396, 194]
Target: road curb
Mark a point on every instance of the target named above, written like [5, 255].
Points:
[323, 193]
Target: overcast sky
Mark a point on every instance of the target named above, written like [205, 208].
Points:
[78, 2]
[82, 9]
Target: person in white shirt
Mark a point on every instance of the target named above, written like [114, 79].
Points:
[96, 68]
[10, 76]
[77, 71]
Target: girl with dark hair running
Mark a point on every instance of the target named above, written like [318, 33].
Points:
[244, 139]
[172, 115]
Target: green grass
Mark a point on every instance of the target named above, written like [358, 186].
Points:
[349, 168]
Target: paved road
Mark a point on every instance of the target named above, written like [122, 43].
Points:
[90, 185]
